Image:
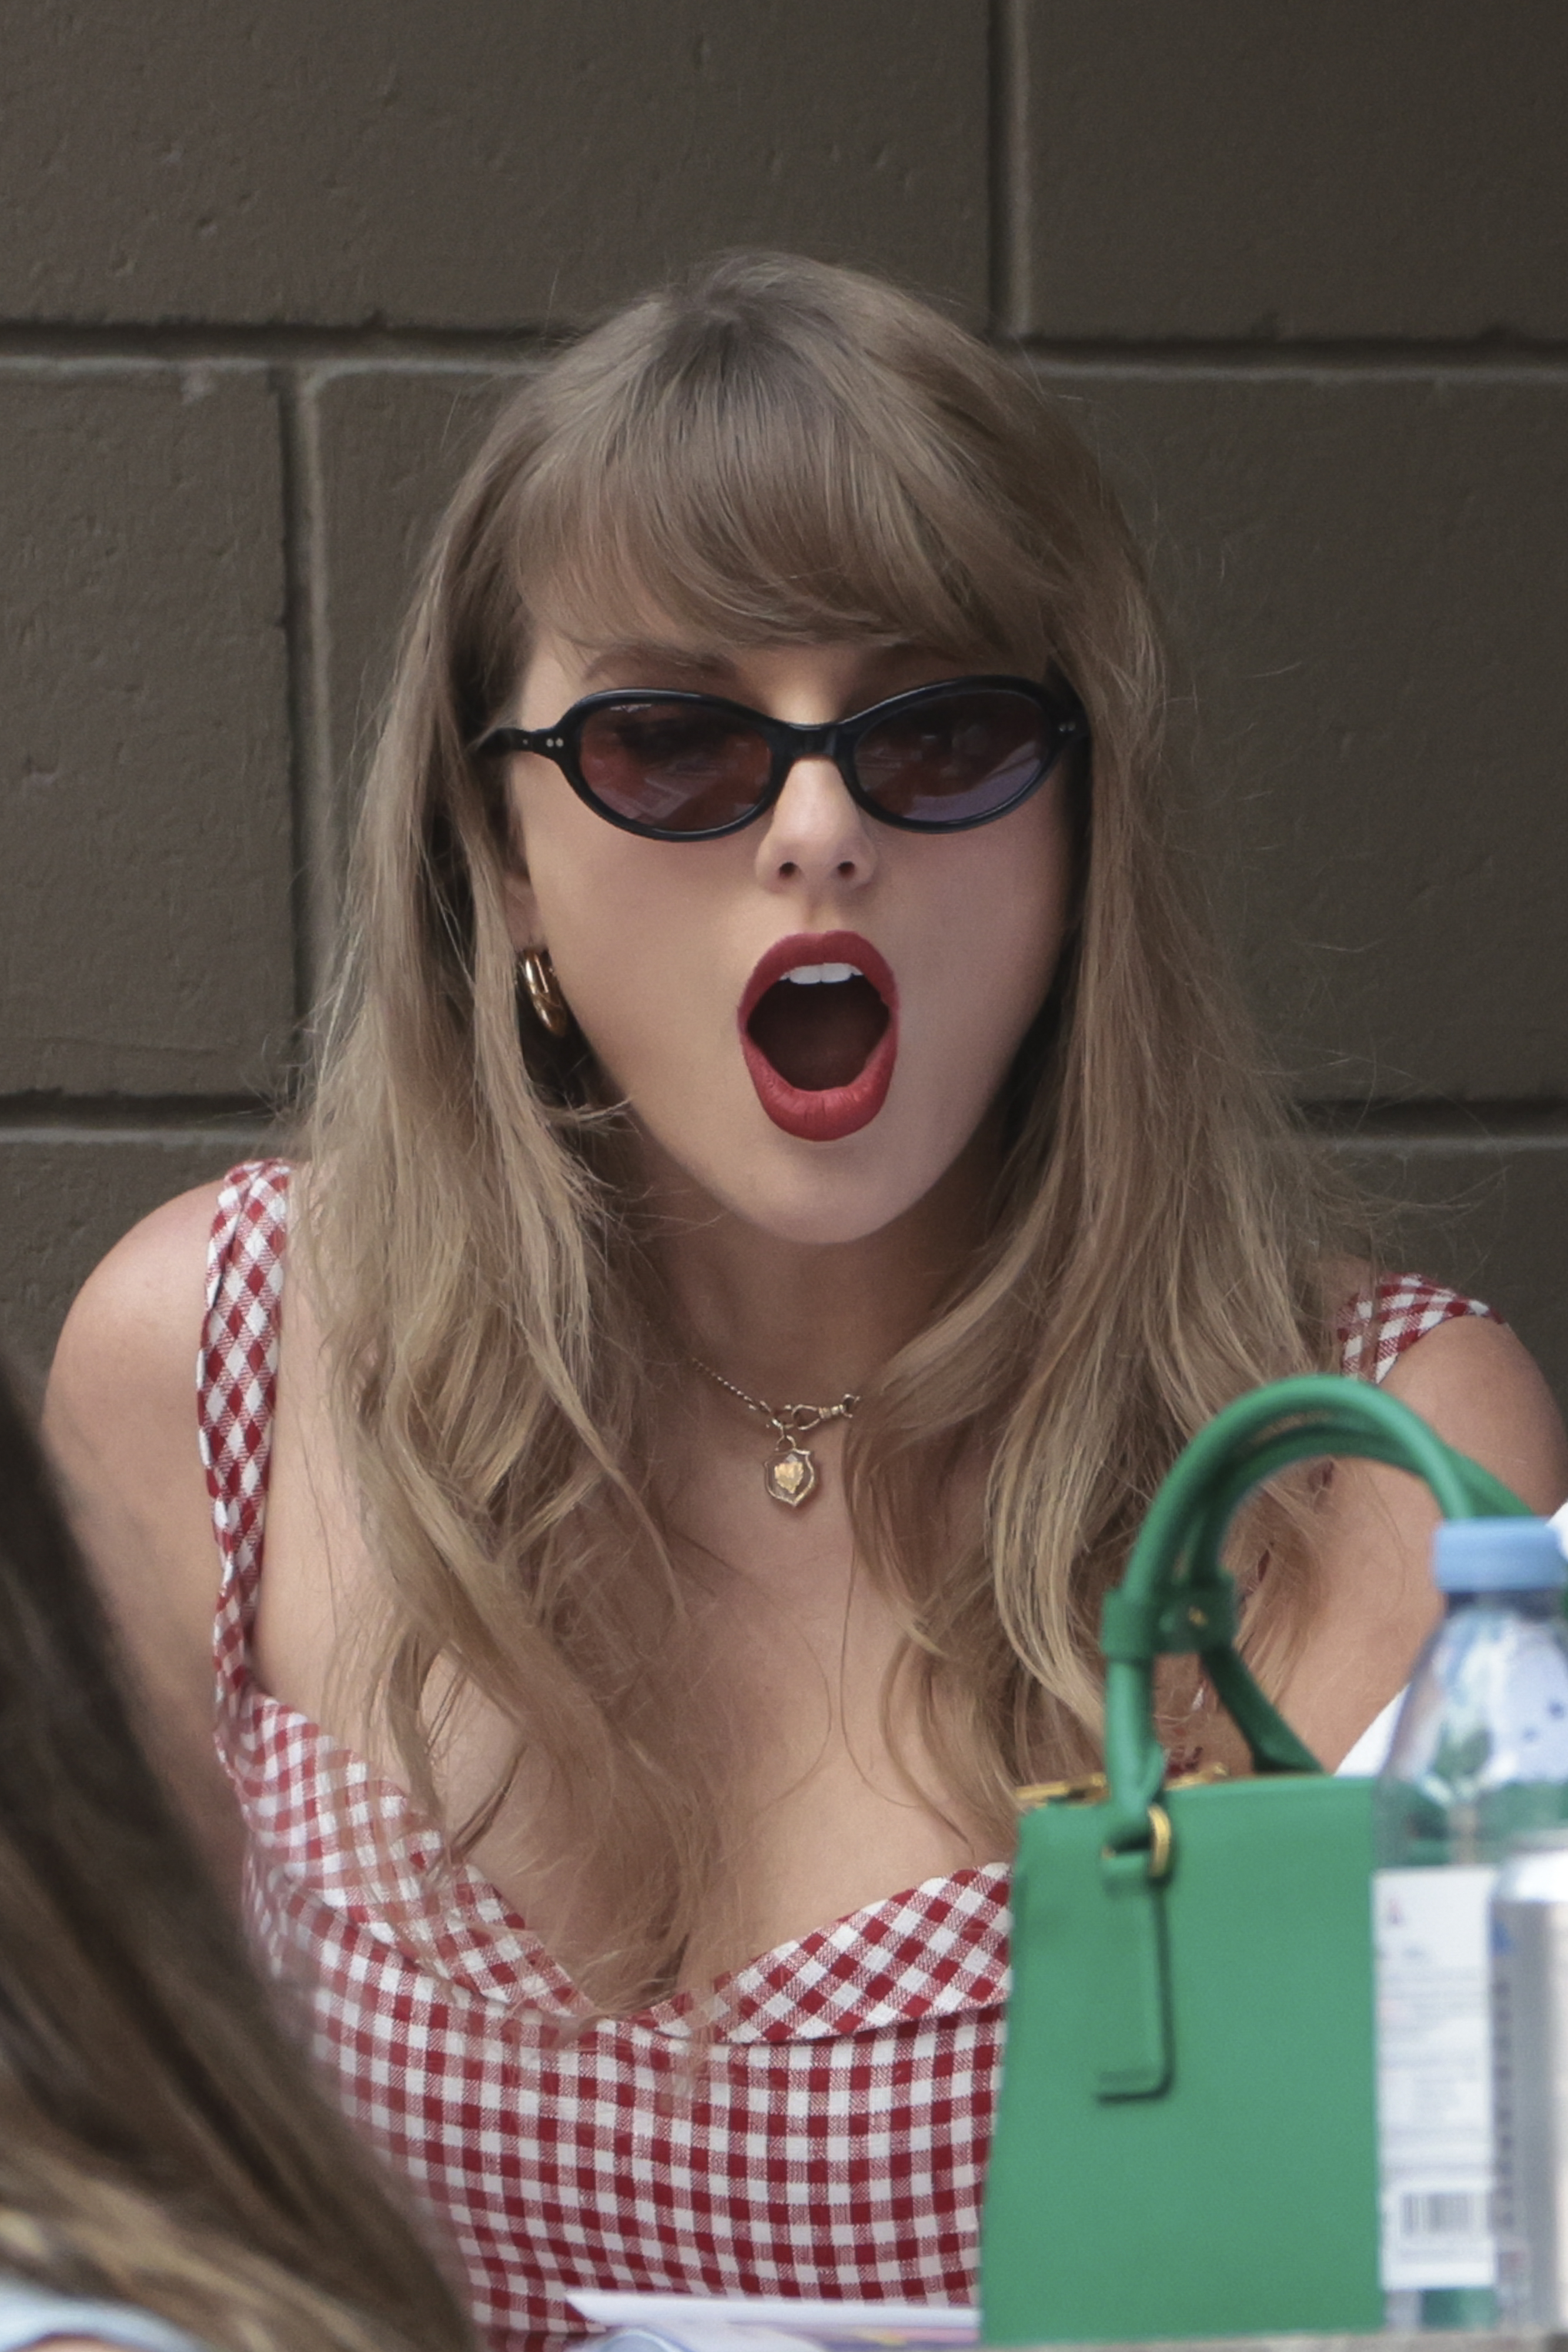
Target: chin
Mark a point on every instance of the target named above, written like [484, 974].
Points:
[831, 1195]
[821, 1216]
[814, 1195]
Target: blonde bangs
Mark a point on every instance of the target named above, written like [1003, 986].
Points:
[755, 479]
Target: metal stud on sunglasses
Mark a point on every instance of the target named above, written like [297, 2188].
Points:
[692, 767]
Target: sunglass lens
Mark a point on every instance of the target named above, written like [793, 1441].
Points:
[954, 759]
[675, 766]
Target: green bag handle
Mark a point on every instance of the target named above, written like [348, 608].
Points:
[1177, 1597]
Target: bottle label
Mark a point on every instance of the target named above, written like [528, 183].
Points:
[1433, 2077]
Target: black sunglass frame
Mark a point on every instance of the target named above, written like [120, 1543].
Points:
[788, 742]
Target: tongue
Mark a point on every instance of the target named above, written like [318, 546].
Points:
[820, 1035]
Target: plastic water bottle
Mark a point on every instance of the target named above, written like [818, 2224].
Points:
[1530, 2075]
[1480, 1755]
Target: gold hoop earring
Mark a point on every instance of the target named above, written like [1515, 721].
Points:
[544, 992]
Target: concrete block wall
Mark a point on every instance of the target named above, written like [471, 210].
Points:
[263, 277]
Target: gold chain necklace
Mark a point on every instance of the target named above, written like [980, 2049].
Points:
[791, 1477]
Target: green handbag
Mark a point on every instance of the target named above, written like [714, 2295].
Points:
[1186, 2139]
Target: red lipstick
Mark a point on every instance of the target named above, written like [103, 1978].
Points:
[824, 1114]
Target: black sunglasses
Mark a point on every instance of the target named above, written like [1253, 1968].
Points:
[690, 767]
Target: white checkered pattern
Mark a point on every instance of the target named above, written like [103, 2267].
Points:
[831, 2139]
[1382, 1323]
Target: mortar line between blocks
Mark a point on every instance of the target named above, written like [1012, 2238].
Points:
[316, 845]
[1008, 167]
[139, 354]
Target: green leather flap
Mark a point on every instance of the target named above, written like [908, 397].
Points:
[1130, 2039]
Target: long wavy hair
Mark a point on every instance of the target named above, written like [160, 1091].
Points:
[161, 2142]
[777, 450]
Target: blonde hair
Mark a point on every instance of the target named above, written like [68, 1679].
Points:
[161, 2142]
[779, 450]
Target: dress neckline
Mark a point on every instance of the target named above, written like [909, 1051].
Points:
[449, 1914]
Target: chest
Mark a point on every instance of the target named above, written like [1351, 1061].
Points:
[833, 1796]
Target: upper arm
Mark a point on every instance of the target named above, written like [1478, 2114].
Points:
[120, 1422]
[1479, 1388]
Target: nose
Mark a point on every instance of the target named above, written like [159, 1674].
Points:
[815, 835]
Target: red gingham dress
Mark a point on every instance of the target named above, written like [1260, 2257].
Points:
[831, 2141]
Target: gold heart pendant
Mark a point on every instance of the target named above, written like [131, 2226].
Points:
[791, 1476]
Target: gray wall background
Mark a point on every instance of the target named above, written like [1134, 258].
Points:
[1303, 272]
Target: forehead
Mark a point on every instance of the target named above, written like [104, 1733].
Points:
[603, 573]
[841, 673]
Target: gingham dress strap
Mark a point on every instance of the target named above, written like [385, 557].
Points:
[236, 1387]
[1391, 1315]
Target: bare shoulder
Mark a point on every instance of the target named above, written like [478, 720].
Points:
[1478, 1384]
[148, 1290]
[120, 1422]
[121, 1393]
[1479, 1387]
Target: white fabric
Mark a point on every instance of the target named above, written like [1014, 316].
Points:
[32, 2315]
[1367, 1757]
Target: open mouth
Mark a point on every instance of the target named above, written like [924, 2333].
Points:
[819, 1032]
[819, 1025]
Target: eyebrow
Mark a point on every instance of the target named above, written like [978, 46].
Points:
[646, 654]
[659, 660]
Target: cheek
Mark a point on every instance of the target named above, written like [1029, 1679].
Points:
[998, 935]
[624, 920]
[610, 949]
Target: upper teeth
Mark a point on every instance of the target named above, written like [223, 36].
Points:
[811, 975]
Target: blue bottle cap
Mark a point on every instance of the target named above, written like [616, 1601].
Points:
[1498, 1555]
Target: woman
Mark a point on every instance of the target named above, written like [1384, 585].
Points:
[167, 2171]
[784, 1182]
